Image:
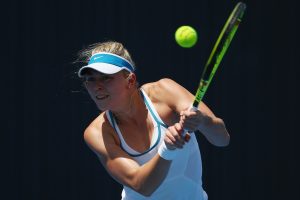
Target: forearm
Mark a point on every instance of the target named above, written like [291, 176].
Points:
[214, 130]
[149, 176]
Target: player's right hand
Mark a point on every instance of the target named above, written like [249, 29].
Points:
[173, 138]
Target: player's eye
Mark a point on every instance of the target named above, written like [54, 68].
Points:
[94, 79]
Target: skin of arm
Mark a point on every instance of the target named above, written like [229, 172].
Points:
[145, 179]
[180, 100]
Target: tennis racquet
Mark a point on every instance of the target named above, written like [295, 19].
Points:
[218, 52]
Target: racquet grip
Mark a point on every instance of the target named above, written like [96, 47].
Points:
[186, 135]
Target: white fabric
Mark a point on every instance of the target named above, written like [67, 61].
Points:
[166, 153]
[184, 179]
[104, 68]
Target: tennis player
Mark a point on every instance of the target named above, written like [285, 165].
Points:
[138, 134]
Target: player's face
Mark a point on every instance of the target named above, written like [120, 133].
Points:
[107, 90]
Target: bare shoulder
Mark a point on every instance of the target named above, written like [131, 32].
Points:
[99, 134]
[164, 83]
[169, 92]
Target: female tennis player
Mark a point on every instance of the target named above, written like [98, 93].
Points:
[138, 134]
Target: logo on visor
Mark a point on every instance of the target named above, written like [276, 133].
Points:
[98, 57]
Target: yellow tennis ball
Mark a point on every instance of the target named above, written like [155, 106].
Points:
[186, 36]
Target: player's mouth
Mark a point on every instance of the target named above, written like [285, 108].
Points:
[101, 97]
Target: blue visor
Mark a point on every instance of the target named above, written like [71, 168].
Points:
[111, 59]
[107, 63]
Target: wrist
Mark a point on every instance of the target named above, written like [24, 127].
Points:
[166, 153]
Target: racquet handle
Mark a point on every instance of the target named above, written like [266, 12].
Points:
[186, 135]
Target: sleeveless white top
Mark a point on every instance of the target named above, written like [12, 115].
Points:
[184, 179]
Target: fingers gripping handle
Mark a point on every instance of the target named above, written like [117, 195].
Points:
[186, 135]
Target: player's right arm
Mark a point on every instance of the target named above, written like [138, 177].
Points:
[144, 179]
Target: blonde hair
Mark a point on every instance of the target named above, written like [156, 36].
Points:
[109, 47]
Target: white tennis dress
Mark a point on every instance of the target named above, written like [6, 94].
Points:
[184, 179]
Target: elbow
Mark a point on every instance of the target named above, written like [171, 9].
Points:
[224, 142]
[227, 141]
[146, 193]
[143, 188]
[224, 137]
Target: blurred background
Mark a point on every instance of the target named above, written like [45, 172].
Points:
[46, 109]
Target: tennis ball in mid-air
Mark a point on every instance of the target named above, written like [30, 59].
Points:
[186, 36]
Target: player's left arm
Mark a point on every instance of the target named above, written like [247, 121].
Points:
[203, 119]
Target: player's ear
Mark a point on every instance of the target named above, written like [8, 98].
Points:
[131, 79]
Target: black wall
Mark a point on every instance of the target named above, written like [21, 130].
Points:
[45, 109]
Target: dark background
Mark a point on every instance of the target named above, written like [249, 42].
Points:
[45, 108]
